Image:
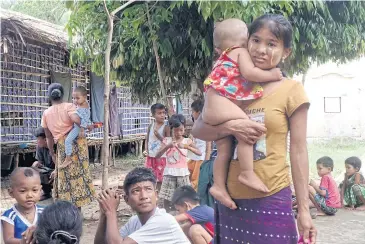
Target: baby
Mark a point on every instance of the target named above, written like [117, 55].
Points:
[83, 111]
[233, 80]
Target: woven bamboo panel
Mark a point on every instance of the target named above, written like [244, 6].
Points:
[25, 76]
[134, 118]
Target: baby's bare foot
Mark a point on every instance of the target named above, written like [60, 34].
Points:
[250, 179]
[222, 196]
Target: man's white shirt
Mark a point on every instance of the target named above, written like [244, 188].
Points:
[161, 227]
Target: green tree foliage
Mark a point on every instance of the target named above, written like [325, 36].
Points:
[323, 31]
[53, 11]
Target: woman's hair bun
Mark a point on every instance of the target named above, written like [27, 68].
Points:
[55, 91]
[56, 94]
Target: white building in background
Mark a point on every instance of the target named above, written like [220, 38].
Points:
[337, 96]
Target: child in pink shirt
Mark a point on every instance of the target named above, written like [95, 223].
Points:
[325, 197]
[176, 172]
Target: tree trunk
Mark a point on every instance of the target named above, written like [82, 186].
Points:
[106, 103]
[159, 71]
[107, 89]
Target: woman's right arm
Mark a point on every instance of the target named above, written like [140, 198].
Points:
[249, 130]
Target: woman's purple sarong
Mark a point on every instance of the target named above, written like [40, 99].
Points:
[267, 220]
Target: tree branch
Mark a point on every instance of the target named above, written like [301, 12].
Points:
[159, 71]
[114, 12]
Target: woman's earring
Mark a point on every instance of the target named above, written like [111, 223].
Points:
[282, 60]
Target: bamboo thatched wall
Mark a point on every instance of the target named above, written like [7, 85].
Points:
[30, 49]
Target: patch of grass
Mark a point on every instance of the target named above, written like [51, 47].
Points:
[338, 149]
[129, 162]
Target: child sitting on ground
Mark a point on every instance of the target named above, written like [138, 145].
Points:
[176, 172]
[155, 134]
[25, 187]
[227, 87]
[353, 186]
[325, 197]
[83, 111]
[44, 163]
[199, 219]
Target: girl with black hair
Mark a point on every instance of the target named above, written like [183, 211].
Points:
[176, 172]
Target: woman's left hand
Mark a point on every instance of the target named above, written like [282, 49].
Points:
[306, 227]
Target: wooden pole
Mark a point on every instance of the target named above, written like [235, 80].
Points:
[107, 90]
[16, 161]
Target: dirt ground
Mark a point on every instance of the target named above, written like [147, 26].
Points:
[347, 227]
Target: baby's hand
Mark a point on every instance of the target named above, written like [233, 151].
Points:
[277, 73]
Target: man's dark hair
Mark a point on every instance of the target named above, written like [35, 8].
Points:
[326, 162]
[60, 222]
[39, 132]
[26, 171]
[198, 105]
[157, 106]
[137, 175]
[354, 161]
[185, 194]
[82, 90]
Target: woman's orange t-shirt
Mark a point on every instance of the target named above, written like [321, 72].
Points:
[270, 152]
[57, 119]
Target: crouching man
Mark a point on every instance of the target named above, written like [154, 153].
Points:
[150, 225]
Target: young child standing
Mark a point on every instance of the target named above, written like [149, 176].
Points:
[155, 134]
[83, 111]
[233, 80]
[204, 147]
[353, 186]
[25, 187]
[176, 172]
[326, 196]
[199, 219]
